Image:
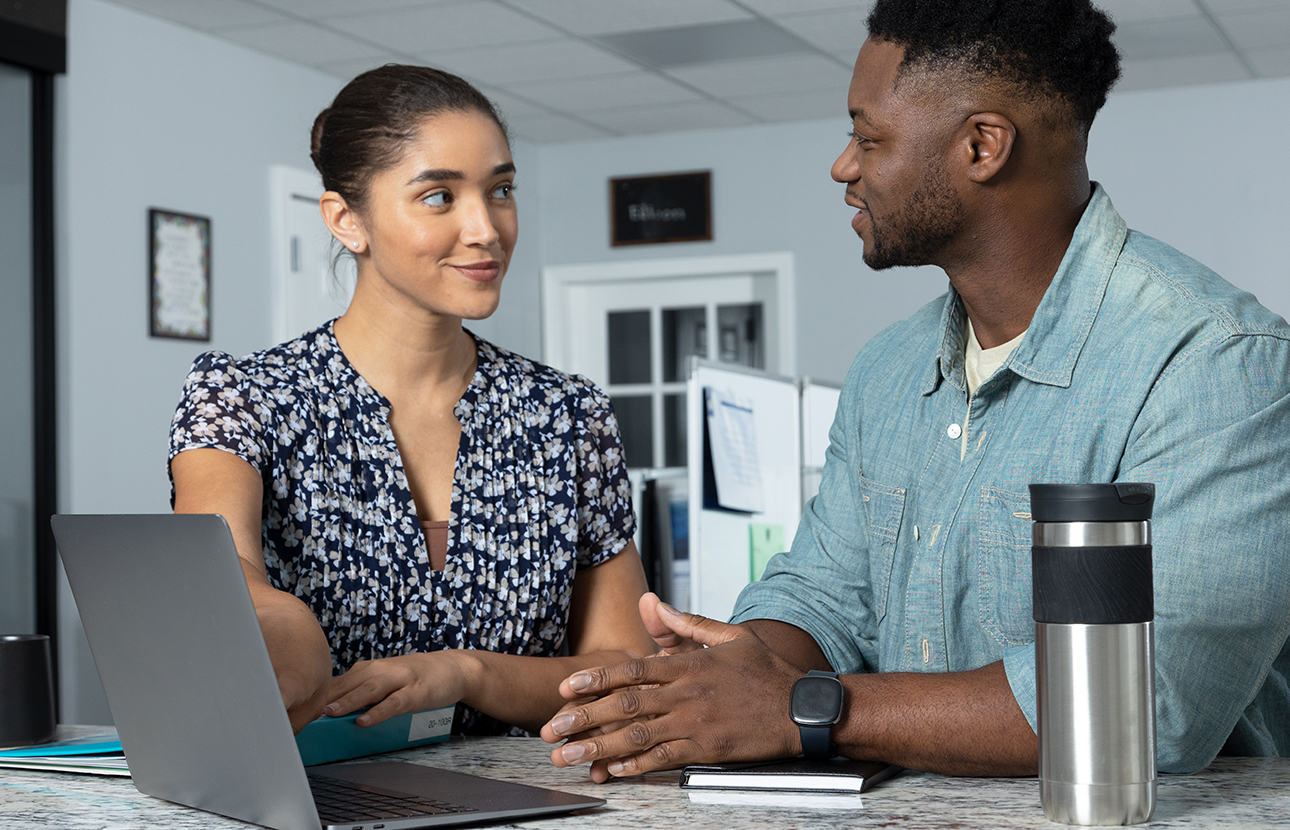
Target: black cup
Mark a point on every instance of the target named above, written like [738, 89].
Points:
[26, 690]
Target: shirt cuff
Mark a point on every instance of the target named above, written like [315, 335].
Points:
[1019, 665]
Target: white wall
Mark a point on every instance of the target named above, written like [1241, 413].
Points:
[154, 115]
[771, 191]
[1205, 169]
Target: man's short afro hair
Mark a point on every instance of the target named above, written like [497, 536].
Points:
[1047, 47]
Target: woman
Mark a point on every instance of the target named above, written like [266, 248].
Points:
[429, 516]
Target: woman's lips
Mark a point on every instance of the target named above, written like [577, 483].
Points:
[481, 271]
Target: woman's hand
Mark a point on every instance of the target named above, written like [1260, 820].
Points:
[397, 685]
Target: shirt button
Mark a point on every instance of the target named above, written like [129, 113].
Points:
[954, 431]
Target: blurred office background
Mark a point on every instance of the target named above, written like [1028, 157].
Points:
[189, 105]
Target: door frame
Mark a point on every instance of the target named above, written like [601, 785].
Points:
[558, 279]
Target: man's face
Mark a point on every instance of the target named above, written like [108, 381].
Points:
[894, 166]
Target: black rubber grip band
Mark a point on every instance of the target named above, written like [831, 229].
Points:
[1092, 586]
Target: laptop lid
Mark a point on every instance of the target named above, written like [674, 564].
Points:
[179, 650]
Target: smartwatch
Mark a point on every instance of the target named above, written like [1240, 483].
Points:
[816, 707]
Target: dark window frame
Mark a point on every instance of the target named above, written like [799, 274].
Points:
[42, 51]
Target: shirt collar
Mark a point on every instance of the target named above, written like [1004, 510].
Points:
[1061, 323]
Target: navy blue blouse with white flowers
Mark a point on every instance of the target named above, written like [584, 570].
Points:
[540, 490]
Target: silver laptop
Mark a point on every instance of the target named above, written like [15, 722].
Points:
[179, 650]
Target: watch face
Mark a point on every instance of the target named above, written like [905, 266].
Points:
[817, 701]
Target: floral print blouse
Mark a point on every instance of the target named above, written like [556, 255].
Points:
[540, 490]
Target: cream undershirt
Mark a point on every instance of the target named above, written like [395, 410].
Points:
[979, 365]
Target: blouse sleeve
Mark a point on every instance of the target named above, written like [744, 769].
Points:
[220, 409]
[606, 521]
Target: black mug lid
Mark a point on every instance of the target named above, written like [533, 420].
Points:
[1119, 502]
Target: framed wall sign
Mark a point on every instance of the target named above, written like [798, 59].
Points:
[676, 207]
[179, 275]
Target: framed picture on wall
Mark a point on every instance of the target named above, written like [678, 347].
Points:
[179, 275]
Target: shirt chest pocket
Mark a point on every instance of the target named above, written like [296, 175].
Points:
[1003, 567]
[884, 506]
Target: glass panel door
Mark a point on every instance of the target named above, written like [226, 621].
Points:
[17, 486]
[636, 339]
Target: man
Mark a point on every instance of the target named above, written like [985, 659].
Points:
[1068, 349]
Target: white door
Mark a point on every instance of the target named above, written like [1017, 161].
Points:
[308, 292]
[633, 328]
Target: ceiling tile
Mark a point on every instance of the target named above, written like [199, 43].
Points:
[667, 119]
[553, 128]
[315, 9]
[838, 31]
[1193, 69]
[1270, 63]
[707, 43]
[1136, 11]
[349, 69]
[1268, 29]
[1175, 37]
[607, 92]
[301, 42]
[1227, 6]
[426, 29]
[597, 17]
[770, 75]
[203, 14]
[566, 58]
[513, 107]
[774, 8]
[799, 106]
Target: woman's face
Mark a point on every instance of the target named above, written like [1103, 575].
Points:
[440, 224]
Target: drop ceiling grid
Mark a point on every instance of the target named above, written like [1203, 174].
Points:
[544, 62]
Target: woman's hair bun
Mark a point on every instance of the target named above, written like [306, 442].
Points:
[315, 138]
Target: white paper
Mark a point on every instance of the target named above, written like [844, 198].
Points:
[733, 434]
[787, 801]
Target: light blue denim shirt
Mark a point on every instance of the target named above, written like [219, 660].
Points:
[1140, 364]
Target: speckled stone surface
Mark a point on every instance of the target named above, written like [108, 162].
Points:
[1234, 793]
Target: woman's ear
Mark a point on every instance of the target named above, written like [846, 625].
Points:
[343, 222]
[990, 138]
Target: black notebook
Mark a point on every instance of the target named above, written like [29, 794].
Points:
[837, 775]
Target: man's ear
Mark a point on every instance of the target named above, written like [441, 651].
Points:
[342, 221]
[989, 141]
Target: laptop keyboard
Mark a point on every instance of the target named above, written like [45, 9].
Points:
[341, 801]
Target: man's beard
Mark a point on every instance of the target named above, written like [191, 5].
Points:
[917, 232]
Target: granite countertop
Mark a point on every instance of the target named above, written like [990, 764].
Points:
[1234, 793]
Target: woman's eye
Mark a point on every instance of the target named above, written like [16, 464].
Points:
[503, 191]
[437, 199]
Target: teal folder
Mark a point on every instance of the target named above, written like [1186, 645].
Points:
[336, 739]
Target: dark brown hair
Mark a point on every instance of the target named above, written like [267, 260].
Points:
[364, 130]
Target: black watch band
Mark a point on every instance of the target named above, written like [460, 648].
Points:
[817, 701]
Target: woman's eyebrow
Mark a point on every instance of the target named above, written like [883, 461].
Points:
[436, 176]
[441, 175]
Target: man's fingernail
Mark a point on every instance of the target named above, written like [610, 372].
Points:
[561, 724]
[572, 753]
[615, 767]
[580, 681]
[669, 609]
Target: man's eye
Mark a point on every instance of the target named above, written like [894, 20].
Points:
[437, 199]
[503, 191]
[857, 137]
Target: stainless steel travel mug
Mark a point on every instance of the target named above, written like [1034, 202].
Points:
[1094, 653]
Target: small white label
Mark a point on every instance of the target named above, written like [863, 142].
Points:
[432, 723]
